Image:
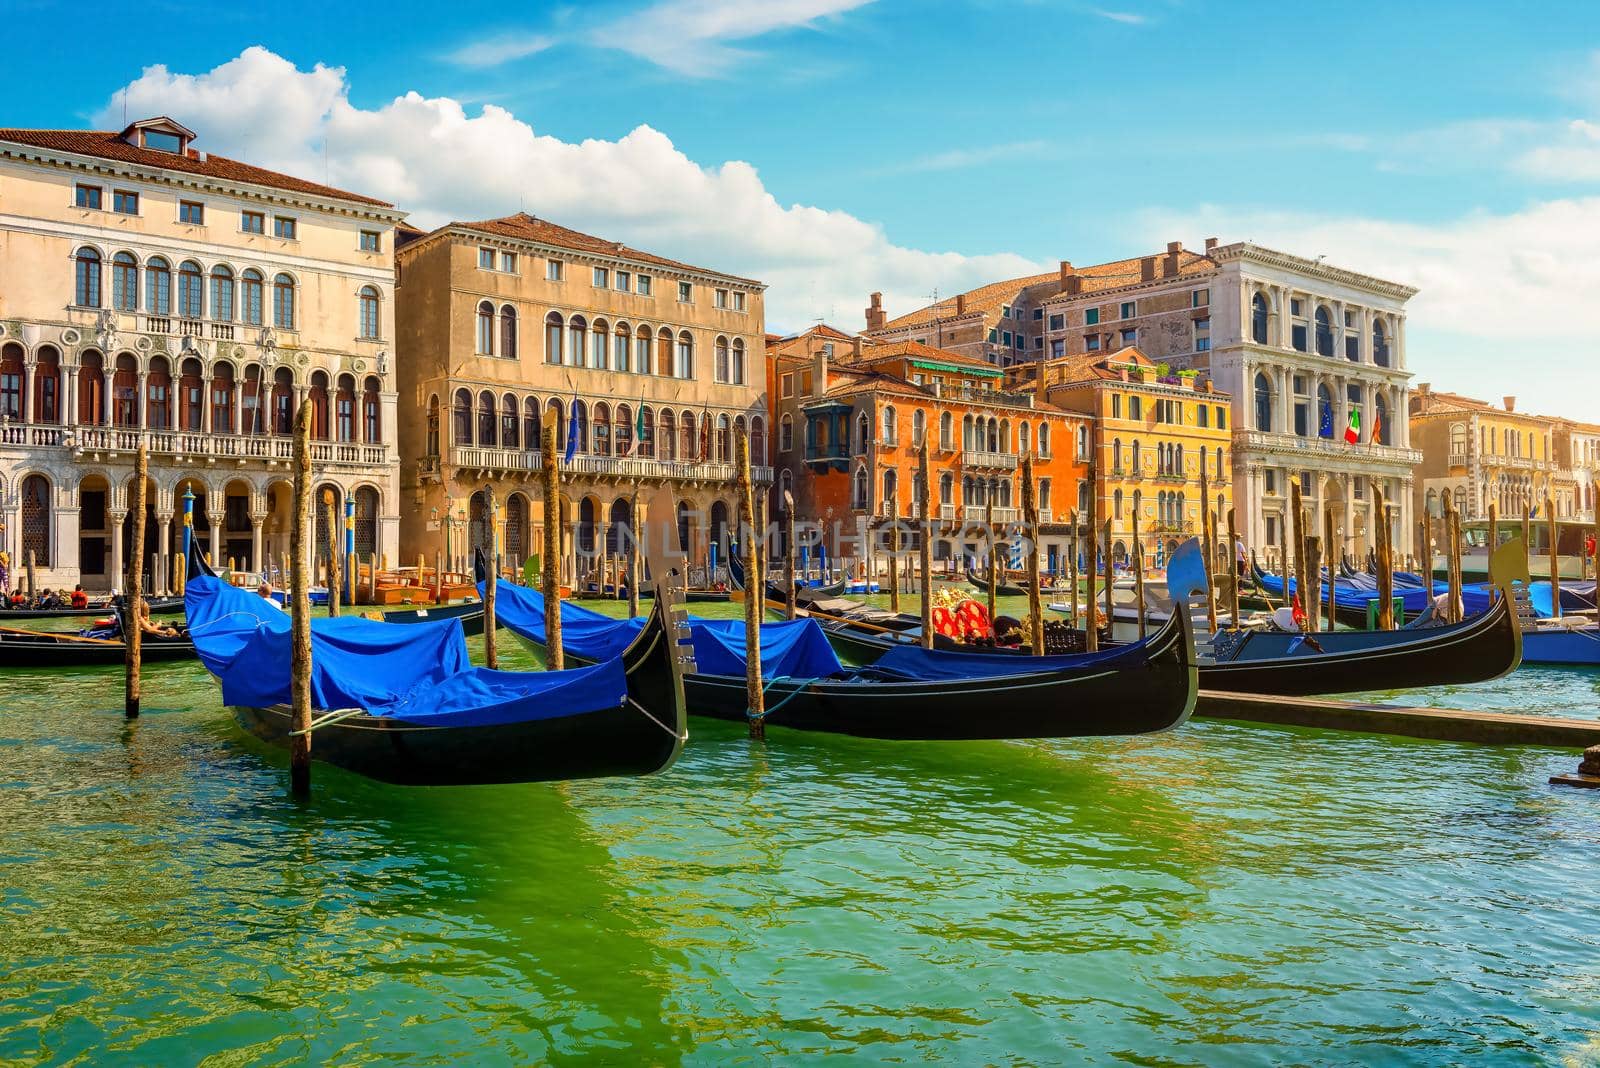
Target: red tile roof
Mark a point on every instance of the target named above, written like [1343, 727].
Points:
[525, 227]
[103, 144]
[1128, 272]
[983, 299]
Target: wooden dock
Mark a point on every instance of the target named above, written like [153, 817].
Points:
[1438, 724]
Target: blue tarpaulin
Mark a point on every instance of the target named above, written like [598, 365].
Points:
[913, 662]
[796, 650]
[417, 672]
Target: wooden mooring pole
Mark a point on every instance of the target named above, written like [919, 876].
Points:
[1335, 553]
[1030, 517]
[1138, 575]
[1107, 558]
[635, 529]
[788, 542]
[333, 552]
[300, 536]
[1380, 514]
[1297, 545]
[894, 553]
[552, 546]
[755, 696]
[1233, 565]
[1073, 549]
[994, 555]
[1427, 552]
[491, 653]
[926, 551]
[133, 625]
[1091, 632]
[1555, 558]
[1208, 546]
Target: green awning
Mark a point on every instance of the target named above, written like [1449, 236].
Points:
[958, 369]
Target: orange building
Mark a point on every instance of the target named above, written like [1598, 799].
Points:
[851, 414]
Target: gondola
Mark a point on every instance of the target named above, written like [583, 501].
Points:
[158, 606]
[909, 693]
[1001, 588]
[803, 593]
[48, 650]
[404, 705]
[470, 613]
[1350, 602]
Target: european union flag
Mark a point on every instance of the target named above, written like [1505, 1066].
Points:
[1325, 430]
[572, 432]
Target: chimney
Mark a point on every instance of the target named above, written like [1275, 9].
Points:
[1169, 269]
[1424, 388]
[1511, 403]
[1211, 245]
[819, 373]
[961, 304]
[1147, 269]
[1074, 284]
[855, 346]
[875, 314]
[1067, 272]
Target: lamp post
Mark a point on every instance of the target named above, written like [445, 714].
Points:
[188, 525]
[349, 548]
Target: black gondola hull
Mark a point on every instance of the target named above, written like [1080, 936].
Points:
[18, 651]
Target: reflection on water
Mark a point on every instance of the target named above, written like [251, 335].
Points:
[1223, 893]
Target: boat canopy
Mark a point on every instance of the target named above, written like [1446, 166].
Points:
[795, 649]
[419, 673]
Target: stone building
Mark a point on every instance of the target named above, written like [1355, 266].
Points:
[1297, 344]
[1577, 451]
[1153, 436]
[851, 414]
[157, 294]
[646, 362]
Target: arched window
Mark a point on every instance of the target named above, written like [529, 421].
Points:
[1258, 319]
[891, 487]
[222, 398]
[283, 302]
[602, 429]
[1025, 438]
[553, 329]
[35, 521]
[91, 389]
[510, 426]
[968, 433]
[1044, 439]
[124, 282]
[282, 401]
[1083, 441]
[1324, 412]
[1458, 442]
[13, 395]
[891, 429]
[1116, 505]
[191, 396]
[87, 291]
[1137, 469]
[666, 439]
[1380, 344]
[222, 294]
[317, 397]
[641, 351]
[1324, 331]
[580, 411]
[947, 488]
[344, 410]
[860, 489]
[600, 341]
[158, 286]
[191, 297]
[486, 419]
[919, 427]
[646, 427]
[863, 432]
[685, 365]
[1385, 431]
[621, 338]
[366, 520]
[462, 418]
[371, 412]
[946, 431]
[485, 328]
[758, 440]
[508, 332]
[158, 394]
[992, 435]
[553, 411]
[1263, 403]
[531, 430]
[691, 443]
[250, 290]
[368, 307]
[47, 386]
[724, 440]
[577, 331]
[720, 368]
[786, 433]
[738, 361]
[1220, 464]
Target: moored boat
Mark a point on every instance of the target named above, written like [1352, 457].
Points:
[44, 649]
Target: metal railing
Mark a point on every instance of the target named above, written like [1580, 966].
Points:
[483, 458]
[976, 458]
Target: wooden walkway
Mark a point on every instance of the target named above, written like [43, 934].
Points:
[1439, 724]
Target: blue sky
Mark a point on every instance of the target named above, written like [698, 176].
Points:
[833, 147]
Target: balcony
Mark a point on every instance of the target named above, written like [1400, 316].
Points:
[985, 396]
[185, 446]
[528, 461]
[947, 513]
[1460, 459]
[1330, 449]
[1005, 461]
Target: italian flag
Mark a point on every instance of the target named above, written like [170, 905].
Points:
[1352, 433]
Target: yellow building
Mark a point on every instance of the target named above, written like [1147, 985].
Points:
[156, 294]
[1482, 454]
[1153, 434]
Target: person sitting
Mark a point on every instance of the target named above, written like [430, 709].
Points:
[48, 599]
[1007, 632]
[18, 600]
[79, 598]
[149, 626]
[264, 591]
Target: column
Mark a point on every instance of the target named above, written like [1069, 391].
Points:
[142, 401]
[160, 577]
[1349, 512]
[69, 395]
[257, 561]
[205, 404]
[118, 579]
[1285, 400]
[216, 545]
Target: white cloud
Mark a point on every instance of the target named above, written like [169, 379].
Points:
[691, 37]
[1125, 17]
[1507, 300]
[436, 160]
[961, 158]
[493, 51]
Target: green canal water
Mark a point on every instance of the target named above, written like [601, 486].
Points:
[1224, 894]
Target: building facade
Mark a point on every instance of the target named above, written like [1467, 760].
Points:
[851, 414]
[155, 294]
[1154, 434]
[646, 365]
[998, 323]
[1578, 452]
[1481, 454]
